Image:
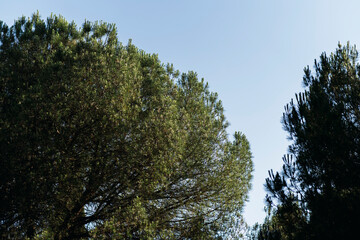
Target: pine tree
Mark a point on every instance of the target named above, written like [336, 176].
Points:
[320, 181]
[103, 140]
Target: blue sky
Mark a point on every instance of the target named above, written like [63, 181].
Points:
[252, 52]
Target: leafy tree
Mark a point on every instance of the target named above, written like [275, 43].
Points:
[318, 192]
[103, 140]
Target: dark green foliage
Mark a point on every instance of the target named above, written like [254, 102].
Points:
[102, 140]
[318, 192]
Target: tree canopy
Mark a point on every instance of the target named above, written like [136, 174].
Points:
[104, 141]
[317, 194]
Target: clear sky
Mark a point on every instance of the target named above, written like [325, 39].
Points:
[252, 52]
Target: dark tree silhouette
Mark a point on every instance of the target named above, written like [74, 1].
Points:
[318, 192]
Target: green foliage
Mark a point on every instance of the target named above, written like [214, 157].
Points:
[317, 194]
[102, 140]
